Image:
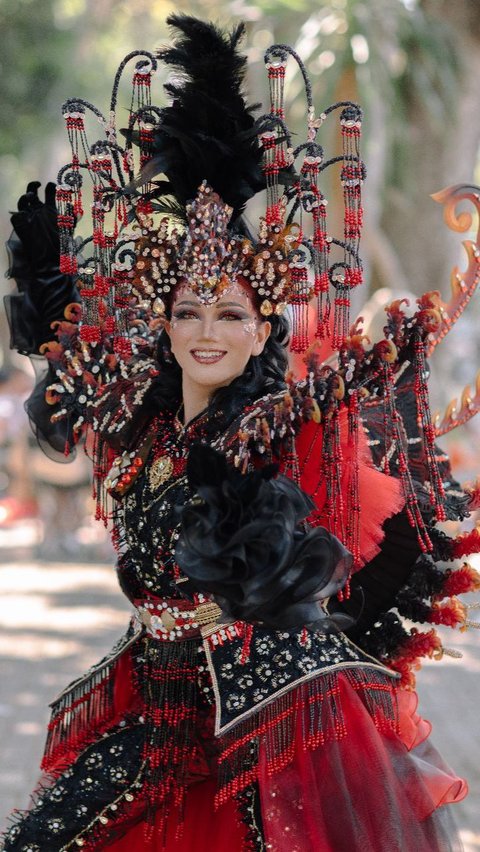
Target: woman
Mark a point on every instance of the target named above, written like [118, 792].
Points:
[236, 712]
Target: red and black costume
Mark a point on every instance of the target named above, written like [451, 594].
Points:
[261, 696]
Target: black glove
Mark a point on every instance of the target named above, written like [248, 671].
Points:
[241, 541]
[34, 255]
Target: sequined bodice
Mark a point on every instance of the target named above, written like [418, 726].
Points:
[149, 519]
[149, 515]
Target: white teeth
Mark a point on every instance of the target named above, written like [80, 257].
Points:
[209, 354]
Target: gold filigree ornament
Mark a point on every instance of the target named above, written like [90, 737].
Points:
[160, 472]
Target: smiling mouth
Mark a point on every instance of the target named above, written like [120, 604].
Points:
[207, 356]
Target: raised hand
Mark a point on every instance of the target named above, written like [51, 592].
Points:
[35, 224]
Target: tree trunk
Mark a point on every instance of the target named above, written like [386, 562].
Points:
[438, 154]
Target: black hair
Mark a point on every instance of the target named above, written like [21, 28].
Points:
[263, 374]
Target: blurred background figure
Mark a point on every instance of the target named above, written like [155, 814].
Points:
[17, 501]
[45, 507]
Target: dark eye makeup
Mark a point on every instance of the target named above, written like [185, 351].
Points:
[184, 313]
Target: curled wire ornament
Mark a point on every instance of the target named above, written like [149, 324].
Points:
[303, 199]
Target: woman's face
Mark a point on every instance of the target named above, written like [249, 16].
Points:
[213, 343]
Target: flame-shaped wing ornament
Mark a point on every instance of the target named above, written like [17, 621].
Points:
[463, 284]
[456, 415]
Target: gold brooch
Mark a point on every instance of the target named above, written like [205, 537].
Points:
[160, 471]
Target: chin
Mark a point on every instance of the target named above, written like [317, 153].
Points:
[211, 374]
[212, 378]
[214, 382]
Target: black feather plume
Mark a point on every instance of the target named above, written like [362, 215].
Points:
[208, 132]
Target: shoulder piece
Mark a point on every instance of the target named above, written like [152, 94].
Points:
[115, 405]
[327, 456]
[278, 662]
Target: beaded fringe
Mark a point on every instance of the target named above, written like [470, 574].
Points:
[170, 683]
[76, 717]
[83, 711]
[317, 705]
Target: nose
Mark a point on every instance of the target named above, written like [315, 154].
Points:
[208, 330]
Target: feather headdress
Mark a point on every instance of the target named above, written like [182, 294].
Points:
[206, 145]
[207, 133]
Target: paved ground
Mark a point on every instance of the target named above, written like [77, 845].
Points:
[56, 620]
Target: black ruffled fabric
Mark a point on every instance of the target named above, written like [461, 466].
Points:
[34, 255]
[242, 542]
[43, 293]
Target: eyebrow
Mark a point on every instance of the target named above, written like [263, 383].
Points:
[223, 305]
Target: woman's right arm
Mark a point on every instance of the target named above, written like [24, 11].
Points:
[79, 384]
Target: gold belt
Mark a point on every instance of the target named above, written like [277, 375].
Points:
[172, 620]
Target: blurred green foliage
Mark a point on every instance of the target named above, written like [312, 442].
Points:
[32, 61]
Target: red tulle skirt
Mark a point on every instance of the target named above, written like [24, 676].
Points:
[370, 790]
